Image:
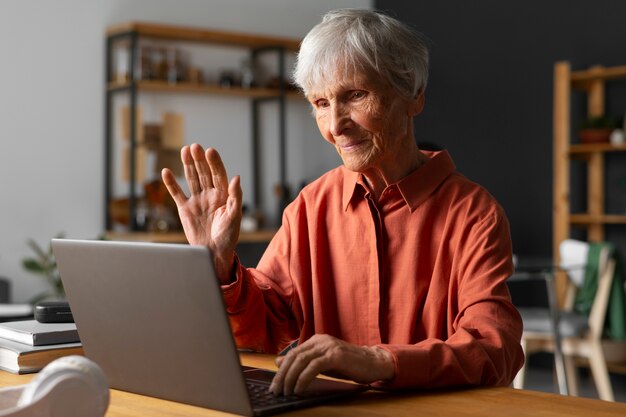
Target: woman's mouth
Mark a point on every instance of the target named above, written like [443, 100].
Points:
[351, 145]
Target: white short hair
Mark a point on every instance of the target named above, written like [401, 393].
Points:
[356, 40]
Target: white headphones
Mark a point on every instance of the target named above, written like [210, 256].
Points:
[72, 386]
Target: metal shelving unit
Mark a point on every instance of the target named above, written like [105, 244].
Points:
[130, 34]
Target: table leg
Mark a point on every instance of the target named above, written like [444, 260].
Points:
[559, 362]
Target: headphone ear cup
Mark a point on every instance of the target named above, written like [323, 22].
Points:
[72, 386]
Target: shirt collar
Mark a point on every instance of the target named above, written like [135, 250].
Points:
[351, 182]
[415, 187]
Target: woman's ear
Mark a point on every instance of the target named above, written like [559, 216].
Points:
[416, 105]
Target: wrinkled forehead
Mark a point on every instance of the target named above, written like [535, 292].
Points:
[342, 73]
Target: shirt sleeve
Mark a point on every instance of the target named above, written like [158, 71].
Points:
[483, 343]
[260, 303]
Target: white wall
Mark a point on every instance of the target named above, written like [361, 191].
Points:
[51, 107]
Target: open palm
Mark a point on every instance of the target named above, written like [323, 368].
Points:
[211, 215]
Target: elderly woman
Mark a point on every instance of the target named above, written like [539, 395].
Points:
[389, 270]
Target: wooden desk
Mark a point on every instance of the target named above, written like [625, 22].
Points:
[470, 402]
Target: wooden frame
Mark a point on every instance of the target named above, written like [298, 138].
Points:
[592, 82]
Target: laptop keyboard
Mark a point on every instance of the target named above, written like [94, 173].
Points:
[261, 397]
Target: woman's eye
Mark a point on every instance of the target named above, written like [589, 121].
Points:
[358, 94]
[321, 103]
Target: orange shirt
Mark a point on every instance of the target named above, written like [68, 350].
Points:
[421, 273]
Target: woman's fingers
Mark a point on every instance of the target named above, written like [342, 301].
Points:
[202, 167]
[290, 367]
[172, 187]
[234, 197]
[218, 171]
[189, 166]
[323, 353]
[302, 370]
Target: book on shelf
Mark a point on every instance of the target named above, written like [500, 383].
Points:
[20, 358]
[33, 333]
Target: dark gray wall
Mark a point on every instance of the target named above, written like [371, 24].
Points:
[489, 99]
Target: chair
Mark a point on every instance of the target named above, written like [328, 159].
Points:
[580, 336]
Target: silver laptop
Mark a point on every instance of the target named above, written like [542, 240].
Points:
[152, 316]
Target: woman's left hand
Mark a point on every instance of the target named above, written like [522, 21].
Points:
[327, 354]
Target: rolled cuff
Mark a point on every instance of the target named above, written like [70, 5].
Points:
[409, 369]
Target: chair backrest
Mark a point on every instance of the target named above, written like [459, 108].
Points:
[574, 255]
[601, 300]
[573, 259]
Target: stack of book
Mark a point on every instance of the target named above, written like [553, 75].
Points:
[28, 346]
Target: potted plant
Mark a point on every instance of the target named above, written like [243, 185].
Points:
[44, 265]
[596, 129]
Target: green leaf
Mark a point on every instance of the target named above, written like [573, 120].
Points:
[33, 265]
[37, 249]
[44, 264]
[602, 122]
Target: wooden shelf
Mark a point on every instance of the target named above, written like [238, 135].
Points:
[259, 236]
[593, 83]
[582, 79]
[586, 148]
[190, 34]
[587, 219]
[163, 86]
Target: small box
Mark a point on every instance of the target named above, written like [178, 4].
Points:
[140, 164]
[172, 131]
[152, 136]
[169, 158]
[125, 124]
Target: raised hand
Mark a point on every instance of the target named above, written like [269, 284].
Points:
[211, 215]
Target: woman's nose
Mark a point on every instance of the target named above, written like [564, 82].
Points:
[340, 119]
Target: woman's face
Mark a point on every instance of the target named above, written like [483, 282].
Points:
[365, 119]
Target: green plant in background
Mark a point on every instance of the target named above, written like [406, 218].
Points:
[44, 265]
[599, 122]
